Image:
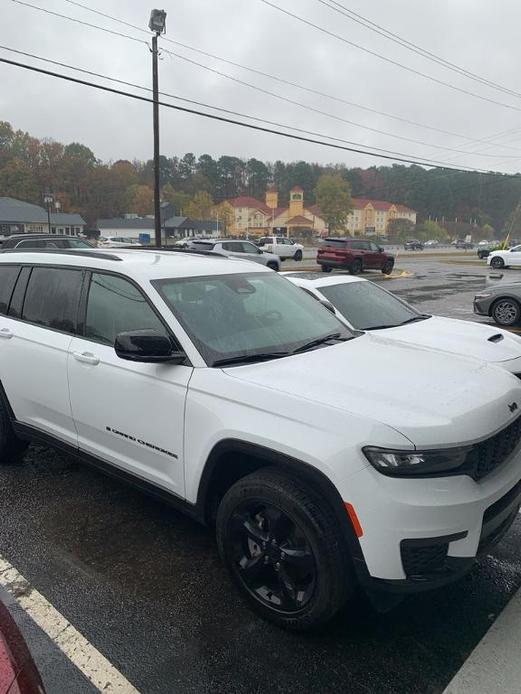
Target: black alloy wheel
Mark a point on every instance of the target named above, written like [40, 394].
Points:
[356, 267]
[276, 563]
[298, 255]
[497, 262]
[284, 548]
[506, 311]
[388, 267]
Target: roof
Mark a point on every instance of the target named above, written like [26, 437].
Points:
[299, 219]
[121, 223]
[296, 189]
[142, 265]
[199, 224]
[314, 209]
[174, 221]
[381, 205]
[247, 201]
[12, 210]
[67, 219]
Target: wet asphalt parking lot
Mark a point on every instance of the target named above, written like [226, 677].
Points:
[145, 586]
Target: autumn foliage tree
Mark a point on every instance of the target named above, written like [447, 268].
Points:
[333, 195]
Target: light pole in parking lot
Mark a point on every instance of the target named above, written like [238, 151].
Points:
[48, 199]
[157, 24]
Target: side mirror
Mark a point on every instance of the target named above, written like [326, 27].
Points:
[327, 304]
[146, 346]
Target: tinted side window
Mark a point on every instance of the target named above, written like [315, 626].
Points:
[115, 306]
[52, 298]
[8, 275]
[233, 246]
[249, 248]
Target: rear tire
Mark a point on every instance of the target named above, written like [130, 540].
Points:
[388, 267]
[273, 265]
[285, 551]
[506, 312]
[497, 262]
[12, 449]
[326, 268]
[298, 256]
[356, 267]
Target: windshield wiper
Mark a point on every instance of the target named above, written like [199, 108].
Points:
[422, 316]
[320, 341]
[249, 358]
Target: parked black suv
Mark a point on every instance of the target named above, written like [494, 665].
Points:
[43, 241]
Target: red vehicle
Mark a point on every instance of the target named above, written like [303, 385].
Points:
[354, 255]
[18, 673]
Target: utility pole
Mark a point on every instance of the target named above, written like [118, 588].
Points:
[157, 24]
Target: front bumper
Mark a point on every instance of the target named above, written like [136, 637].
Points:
[481, 307]
[419, 534]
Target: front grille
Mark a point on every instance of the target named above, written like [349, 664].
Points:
[419, 560]
[486, 456]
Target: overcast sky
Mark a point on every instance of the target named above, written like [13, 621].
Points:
[481, 36]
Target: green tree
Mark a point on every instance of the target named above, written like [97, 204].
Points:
[139, 199]
[333, 196]
[402, 229]
[177, 199]
[200, 206]
[431, 230]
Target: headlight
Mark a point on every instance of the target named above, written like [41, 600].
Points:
[482, 296]
[416, 463]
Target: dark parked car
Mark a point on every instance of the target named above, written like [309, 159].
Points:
[485, 250]
[18, 673]
[43, 241]
[461, 243]
[413, 245]
[354, 255]
[501, 301]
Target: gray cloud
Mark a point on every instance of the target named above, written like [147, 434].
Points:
[471, 33]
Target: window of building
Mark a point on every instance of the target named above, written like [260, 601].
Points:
[52, 298]
[115, 305]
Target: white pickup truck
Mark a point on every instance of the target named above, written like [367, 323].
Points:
[281, 246]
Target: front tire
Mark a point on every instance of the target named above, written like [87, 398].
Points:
[298, 256]
[388, 267]
[284, 549]
[506, 312]
[497, 263]
[356, 267]
[326, 268]
[12, 448]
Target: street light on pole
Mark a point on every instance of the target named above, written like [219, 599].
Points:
[48, 199]
[157, 24]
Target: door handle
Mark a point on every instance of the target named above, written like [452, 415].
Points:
[86, 358]
[6, 333]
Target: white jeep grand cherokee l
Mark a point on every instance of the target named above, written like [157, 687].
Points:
[325, 457]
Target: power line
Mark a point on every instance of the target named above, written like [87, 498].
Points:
[265, 91]
[429, 55]
[279, 96]
[386, 59]
[271, 131]
[276, 78]
[191, 101]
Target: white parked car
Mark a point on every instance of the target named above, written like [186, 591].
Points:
[507, 258]
[117, 241]
[326, 458]
[235, 248]
[364, 305]
[281, 246]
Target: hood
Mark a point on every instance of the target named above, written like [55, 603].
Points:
[459, 337]
[433, 399]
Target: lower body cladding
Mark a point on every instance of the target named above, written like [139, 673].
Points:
[419, 534]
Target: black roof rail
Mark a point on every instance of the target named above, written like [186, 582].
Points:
[64, 251]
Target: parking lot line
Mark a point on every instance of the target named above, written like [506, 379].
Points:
[494, 665]
[67, 638]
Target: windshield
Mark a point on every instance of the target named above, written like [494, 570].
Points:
[247, 314]
[367, 306]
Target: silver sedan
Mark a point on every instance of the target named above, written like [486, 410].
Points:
[239, 249]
